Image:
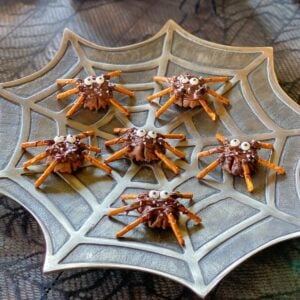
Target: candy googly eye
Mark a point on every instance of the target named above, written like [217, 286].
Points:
[164, 194]
[58, 139]
[184, 79]
[235, 142]
[88, 81]
[194, 81]
[245, 146]
[100, 79]
[154, 194]
[141, 132]
[152, 134]
[71, 139]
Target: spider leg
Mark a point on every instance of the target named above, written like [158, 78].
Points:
[160, 93]
[160, 78]
[129, 196]
[132, 225]
[119, 106]
[217, 96]
[91, 148]
[216, 79]
[122, 90]
[114, 73]
[210, 113]
[208, 152]
[112, 142]
[165, 106]
[66, 81]
[120, 130]
[97, 163]
[266, 145]
[67, 93]
[247, 176]
[168, 162]
[209, 168]
[85, 134]
[184, 195]
[175, 229]
[174, 150]
[35, 159]
[46, 173]
[37, 144]
[268, 164]
[191, 215]
[119, 210]
[174, 136]
[117, 155]
[220, 137]
[75, 106]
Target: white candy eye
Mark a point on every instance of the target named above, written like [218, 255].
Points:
[184, 79]
[235, 142]
[59, 139]
[152, 134]
[164, 194]
[194, 81]
[89, 80]
[141, 132]
[100, 79]
[154, 194]
[71, 139]
[245, 146]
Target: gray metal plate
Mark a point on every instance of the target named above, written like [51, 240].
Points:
[71, 208]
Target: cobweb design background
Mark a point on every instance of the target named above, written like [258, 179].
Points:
[71, 208]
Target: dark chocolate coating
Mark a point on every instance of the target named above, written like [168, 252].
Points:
[96, 96]
[187, 95]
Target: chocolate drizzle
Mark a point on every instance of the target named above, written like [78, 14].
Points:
[96, 95]
[187, 95]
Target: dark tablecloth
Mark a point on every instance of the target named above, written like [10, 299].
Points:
[30, 33]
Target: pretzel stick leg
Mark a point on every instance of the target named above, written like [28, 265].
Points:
[216, 79]
[67, 93]
[168, 162]
[132, 225]
[165, 106]
[75, 107]
[35, 159]
[120, 130]
[207, 152]
[66, 81]
[97, 163]
[160, 93]
[85, 134]
[129, 196]
[185, 195]
[114, 73]
[119, 106]
[174, 150]
[116, 155]
[266, 145]
[191, 215]
[118, 210]
[122, 90]
[36, 144]
[175, 229]
[210, 113]
[174, 136]
[268, 164]
[247, 176]
[217, 96]
[91, 148]
[112, 142]
[209, 168]
[220, 137]
[160, 78]
[46, 173]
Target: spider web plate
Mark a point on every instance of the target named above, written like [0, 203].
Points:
[71, 208]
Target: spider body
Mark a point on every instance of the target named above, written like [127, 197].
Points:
[188, 91]
[158, 209]
[238, 158]
[64, 154]
[142, 146]
[95, 92]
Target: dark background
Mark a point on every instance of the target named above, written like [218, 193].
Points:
[30, 33]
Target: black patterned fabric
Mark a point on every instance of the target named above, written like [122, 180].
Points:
[30, 33]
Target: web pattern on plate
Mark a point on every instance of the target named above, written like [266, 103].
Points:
[71, 209]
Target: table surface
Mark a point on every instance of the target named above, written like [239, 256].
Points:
[30, 33]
